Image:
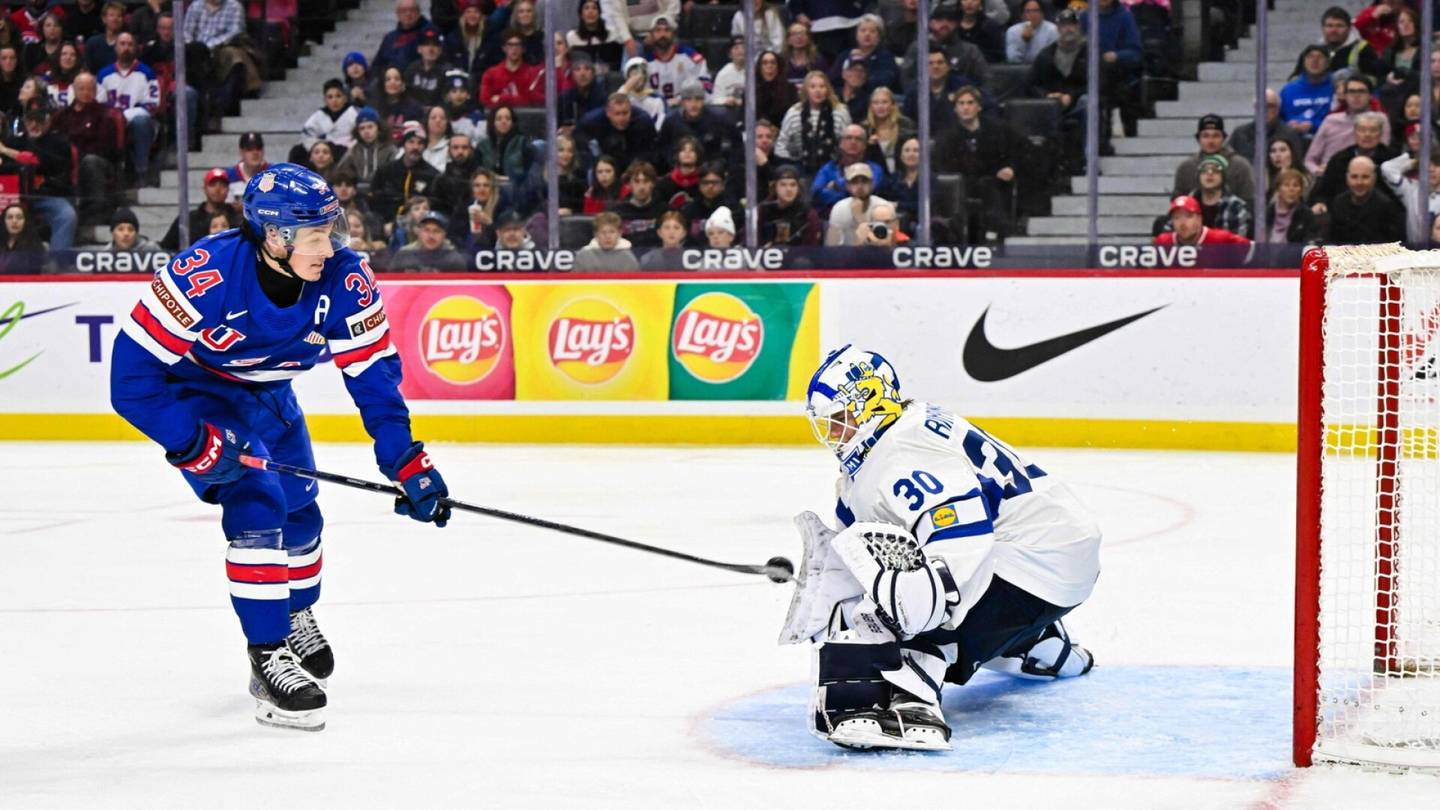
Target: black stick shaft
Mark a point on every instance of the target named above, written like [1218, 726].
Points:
[501, 514]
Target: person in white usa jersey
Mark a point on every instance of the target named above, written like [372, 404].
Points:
[954, 554]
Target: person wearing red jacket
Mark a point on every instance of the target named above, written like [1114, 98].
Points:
[1189, 228]
[513, 81]
[1376, 23]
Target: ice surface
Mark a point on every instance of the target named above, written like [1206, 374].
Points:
[492, 665]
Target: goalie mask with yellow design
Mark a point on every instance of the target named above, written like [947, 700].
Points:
[853, 397]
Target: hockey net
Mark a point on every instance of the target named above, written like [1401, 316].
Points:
[1367, 641]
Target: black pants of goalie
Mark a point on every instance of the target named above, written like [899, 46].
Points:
[1005, 621]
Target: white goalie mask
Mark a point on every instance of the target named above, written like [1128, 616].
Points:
[854, 395]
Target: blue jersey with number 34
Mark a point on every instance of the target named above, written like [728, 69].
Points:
[973, 500]
[205, 318]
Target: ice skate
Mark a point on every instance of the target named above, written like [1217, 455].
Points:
[310, 647]
[908, 724]
[285, 694]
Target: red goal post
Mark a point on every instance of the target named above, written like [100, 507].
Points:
[1367, 573]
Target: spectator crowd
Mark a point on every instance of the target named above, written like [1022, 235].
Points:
[1342, 143]
[436, 141]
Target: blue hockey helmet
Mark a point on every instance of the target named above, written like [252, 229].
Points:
[853, 397]
[286, 197]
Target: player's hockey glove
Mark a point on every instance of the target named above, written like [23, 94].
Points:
[214, 455]
[423, 487]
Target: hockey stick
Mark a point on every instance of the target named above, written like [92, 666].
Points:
[778, 569]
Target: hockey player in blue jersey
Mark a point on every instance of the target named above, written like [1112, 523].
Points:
[953, 554]
[203, 367]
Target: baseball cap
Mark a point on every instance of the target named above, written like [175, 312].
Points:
[663, 20]
[1210, 121]
[252, 140]
[1067, 15]
[367, 114]
[1186, 203]
[411, 129]
[692, 88]
[1318, 48]
[581, 58]
[456, 77]
[509, 218]
[429, 37]
[633, 61]
[856, 169]
[437, 218]
[855, 59]
[215, 175]
[792, 173]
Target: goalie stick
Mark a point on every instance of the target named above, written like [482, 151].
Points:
[778, 569]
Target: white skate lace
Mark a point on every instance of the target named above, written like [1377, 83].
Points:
[284, 671]
[305, 637]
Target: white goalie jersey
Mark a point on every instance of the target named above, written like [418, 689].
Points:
[972, 501]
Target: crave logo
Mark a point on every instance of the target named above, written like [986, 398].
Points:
[590, 340]
[717, 337]
[461, 339]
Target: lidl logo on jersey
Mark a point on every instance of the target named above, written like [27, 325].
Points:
[590, 340]
[717, 337]
[943, 516]
[461, 339]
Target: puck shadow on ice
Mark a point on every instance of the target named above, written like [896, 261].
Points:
[1208, 722]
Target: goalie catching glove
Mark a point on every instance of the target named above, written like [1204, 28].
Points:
[906, 593]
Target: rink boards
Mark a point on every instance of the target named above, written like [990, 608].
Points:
[1161, 359]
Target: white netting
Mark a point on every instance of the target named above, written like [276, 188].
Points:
[1379, 656]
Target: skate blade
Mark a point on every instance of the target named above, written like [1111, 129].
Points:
[865, 735]
[269, 715]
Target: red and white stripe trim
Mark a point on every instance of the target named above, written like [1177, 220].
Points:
[249, 375]
[258, 573]
[357, 361]
[305, 569]
[167, 342]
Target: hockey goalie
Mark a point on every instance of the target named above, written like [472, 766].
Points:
[954, 553]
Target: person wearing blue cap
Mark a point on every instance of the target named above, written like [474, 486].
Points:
[355, 70]
[371, 150]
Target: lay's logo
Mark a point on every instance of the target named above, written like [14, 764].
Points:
[590, 340]
[717, 337]
[461, 339]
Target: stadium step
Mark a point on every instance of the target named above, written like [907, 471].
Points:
[1137, 184]
[1069, 205]
[1148, 165]
[1200, 92]
[1140, 226]
[1171, 145]
[1193, 109]
[1277, 71]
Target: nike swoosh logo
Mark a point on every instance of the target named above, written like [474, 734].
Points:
[230, 316]
[4, 321]
[309, 486]
[987, 362]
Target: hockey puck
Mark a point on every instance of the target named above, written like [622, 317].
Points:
[779, 569]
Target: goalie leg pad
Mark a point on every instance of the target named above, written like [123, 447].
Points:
[856, 707]
[848, 682]
[909, 592]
